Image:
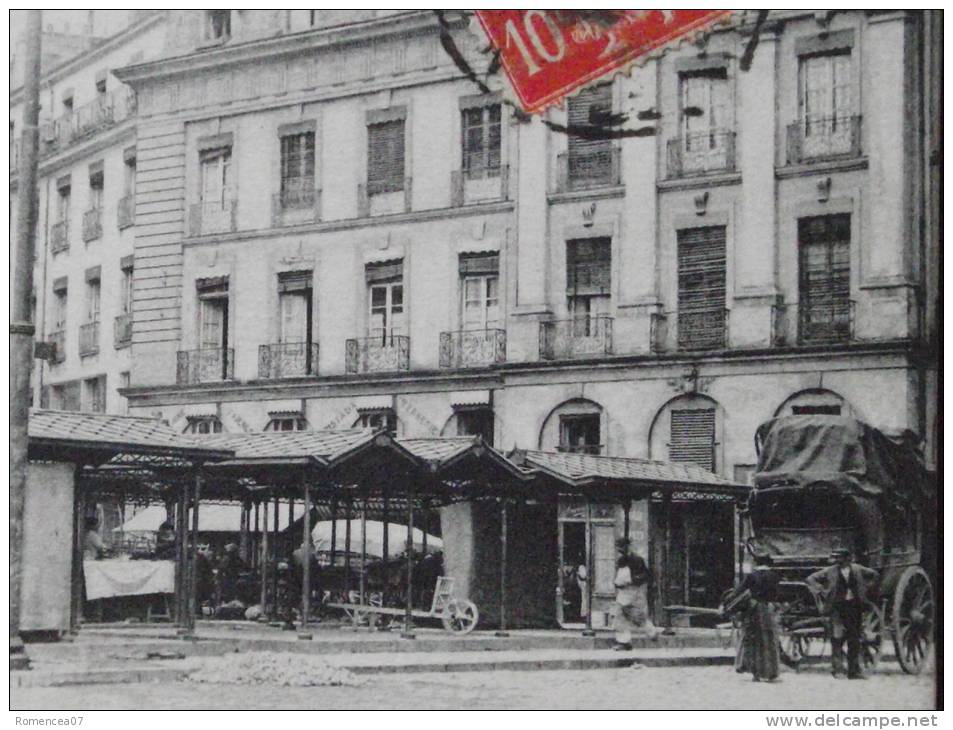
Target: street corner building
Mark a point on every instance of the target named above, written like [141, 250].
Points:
[280, 221]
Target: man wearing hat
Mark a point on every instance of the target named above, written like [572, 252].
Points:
[843, 588]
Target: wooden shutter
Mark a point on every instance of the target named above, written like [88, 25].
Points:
[588, 266]
[385, 157]
[589, 159]
[701, 287]
[384, 271]
[693, 438]
[476, 264]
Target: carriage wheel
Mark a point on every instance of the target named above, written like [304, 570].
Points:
[460, 616]
[872, 636]
[913, 619]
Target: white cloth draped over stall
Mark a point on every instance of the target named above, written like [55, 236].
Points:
[396, 538]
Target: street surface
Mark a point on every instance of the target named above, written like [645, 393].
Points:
[677, 688]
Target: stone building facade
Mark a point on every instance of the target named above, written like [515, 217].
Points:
[334, 228]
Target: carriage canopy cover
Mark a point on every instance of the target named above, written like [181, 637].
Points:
[841, 452]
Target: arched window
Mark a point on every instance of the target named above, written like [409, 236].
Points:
[577, 426]
[687, 430]
[816, 401]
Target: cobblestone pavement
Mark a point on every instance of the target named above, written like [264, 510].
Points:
[682, 688]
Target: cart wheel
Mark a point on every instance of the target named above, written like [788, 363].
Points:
[460, 616]
[792, 649]
[913, 619]
[872, 638]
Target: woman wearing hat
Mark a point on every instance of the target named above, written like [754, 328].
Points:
[631, 609]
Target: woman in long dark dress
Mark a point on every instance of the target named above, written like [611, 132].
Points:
[758, 649]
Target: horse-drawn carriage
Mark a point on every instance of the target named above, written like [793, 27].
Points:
[829, 482]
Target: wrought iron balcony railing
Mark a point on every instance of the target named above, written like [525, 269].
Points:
[702, 330]
[89, 339]
[92, 224]
[207, 365]
[87, 120]
[479, 185]
[212, 217]
[593, 169]
[472, 348]
[818, 139]
[580, 336]
[701, 154]
[366, 192]
[594, 449]
[58, 340]
[59, 237]
[287, 360]
[126, 211]
[122, 330]
[377, 354]
[298, 202]
[815, 323]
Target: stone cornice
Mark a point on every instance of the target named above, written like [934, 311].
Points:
[88, 57]
[297, 43]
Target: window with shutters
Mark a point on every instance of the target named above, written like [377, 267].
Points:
[203, 424]
[59, 309]
[825, 102]
[297, 170]
[588, 283]
[701, 288]
[63, 198]
[824, 311]
[385, 157]
[93, 298]
[67, 396]
[216, 178]
[294, 306]
[481, 302]
[590, 162]
[580, 433]
[481, 141]
[213, 315]
[125, 290]
[692, 437]
[96, 190]
[706, 126]
[94, 394]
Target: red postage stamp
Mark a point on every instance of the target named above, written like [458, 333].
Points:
[548, 54]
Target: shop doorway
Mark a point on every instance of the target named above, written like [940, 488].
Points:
[586, 538]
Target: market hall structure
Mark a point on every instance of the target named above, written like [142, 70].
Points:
[312, 221]
[507, 565]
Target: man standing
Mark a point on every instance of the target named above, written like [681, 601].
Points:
[844, 588]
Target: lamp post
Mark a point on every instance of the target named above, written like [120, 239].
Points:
[22, 330]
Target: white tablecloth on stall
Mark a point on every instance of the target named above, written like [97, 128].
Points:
[108, 578]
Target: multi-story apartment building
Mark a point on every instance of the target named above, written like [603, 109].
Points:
[84, 237]
[334, 228]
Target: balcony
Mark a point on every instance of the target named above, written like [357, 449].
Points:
[380, 198]
[58, 340]
[212, 217]
[377, 354]
[482, 185]
[821, 139]
[817, 323]
[694, 331]
[122, 331]
[581, 336]
[701, 154]
[596, 169]
[126, 211]
[287, 360]
[92, 224]
[87, 120]
[298, 202]
[472, 348]
[89, 339]
[208, 365]
[59, 237]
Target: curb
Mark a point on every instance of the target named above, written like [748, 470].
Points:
[66, 679]
[518, 665]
